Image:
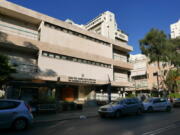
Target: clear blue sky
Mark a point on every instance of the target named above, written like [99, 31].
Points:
[135, 17]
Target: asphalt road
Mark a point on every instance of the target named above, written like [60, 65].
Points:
[157, 123]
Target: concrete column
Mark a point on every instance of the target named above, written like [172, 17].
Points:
[124, 94]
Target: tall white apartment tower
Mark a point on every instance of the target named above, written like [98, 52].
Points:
[175, 29]
[105, 24]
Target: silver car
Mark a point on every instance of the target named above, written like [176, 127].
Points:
[120, 107]
[15, 114]
[157, 104]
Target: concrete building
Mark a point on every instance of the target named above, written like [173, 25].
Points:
[147, 77]
[175, 29]
[56, 56]
[105, 24]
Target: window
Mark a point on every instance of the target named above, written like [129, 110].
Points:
[44, 53]
[84, 61]
[162, 100]
[102, 65]
[8, 104]
[75, 59]
[64, 57]
[70, 58]
[93, 63]
[89, 62]
[97, 63]
[57, 56]
[51, 55]
[79, 60]
[156, 101]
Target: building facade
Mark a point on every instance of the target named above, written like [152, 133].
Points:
[53, 56]
[147, 78]
[175, 29]
[105, 24]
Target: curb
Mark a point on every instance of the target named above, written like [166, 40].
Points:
[65, 119]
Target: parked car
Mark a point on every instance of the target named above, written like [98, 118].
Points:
[157, 104]
[120, 107]
[15, 114]
[176, 102]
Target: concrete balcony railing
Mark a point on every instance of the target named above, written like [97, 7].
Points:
[122, 65]
[18, 31]
[120, 35]
[121, 84]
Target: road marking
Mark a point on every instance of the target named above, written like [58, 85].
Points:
[160, 130]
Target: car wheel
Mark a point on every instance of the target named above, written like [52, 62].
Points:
[150, 109]
[20, 124]
[139, 111]
[168, 109]
[118, 114]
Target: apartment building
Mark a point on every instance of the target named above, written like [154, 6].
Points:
[105, 24]
[55, 56]
[175, 29]
[147, 77]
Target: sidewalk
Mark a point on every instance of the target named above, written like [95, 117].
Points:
[87, 112]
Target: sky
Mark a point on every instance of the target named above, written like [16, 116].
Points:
[134, 17]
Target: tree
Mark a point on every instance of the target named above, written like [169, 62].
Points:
[173, 80]
[6, 69]
[153, 45]
[173, 52]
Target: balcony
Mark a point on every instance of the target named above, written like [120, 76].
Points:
[18, 30]
[121, 84]
[119, 35]
[122, 65]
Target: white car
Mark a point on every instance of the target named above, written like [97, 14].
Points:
[157, 104]
[15, 114]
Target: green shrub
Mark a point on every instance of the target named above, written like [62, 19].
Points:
[174, 95]
[47, 100]
[154, 94]
[130, 95]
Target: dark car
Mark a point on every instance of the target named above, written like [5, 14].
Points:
[176, 102]
[120, 107]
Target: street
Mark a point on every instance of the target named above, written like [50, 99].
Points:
[161, 123]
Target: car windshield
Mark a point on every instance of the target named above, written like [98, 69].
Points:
[120, 101]
[148, 100]
[114, 103]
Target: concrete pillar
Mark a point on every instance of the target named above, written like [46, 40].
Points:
[9, 92]
[124, 93]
